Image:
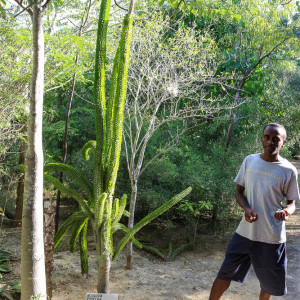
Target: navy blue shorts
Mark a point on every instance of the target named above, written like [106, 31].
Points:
[268, 260]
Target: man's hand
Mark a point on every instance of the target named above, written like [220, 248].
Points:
[281, 215]
[250, 215]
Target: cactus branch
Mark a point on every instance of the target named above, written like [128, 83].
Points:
[74, 173]
[66, 226]
[81, 201]
[90, 145]
[148, 219]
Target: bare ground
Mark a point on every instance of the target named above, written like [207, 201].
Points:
[188, 277]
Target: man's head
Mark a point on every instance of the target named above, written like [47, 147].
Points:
[273, 138]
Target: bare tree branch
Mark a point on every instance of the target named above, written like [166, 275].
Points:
[28, 8]
[288, 2]
[44, 6]
[166, 84]
[120, 6]
[58, 86]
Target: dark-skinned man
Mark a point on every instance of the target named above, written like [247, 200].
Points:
[263, 181]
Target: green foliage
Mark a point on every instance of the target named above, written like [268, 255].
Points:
[68, 49]
[212, 8]
[194, 208]
[280, 103]
[198, 160]
[14, 77]
[36, 298]
[4, 260]
[54, 122]
[8, 290]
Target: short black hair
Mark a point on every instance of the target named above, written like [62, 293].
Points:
[275, 125]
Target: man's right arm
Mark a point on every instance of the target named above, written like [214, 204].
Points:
[242, 201]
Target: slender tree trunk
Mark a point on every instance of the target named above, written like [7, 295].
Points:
[103, 275]
[247, 73]
[65, 147]
[58, 204]
[20, 187]
[214, 217]
[131, 222]
[33, 279]
[231, 115]
[49, 212]
[103, 265]
[230, 130]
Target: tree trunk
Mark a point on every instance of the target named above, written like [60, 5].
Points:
[103, 275]
[231, 116]
[103, 264]
[230, 130]
[214, 217]
[65, 146]
[131, 222]
[20, 187]
[33, 279]
[58, 204]
[49, 212]
[237, 97]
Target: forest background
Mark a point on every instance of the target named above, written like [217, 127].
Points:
[203, 81]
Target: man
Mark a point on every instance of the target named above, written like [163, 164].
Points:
[263, 181]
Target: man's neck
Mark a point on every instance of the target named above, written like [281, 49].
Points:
[271, 158]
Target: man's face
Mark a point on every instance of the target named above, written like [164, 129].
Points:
[273, 139]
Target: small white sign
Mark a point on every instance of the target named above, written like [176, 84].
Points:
[97, 296]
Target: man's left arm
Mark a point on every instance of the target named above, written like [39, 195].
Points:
[284, 213]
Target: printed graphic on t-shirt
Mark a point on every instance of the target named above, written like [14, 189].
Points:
[265, 174]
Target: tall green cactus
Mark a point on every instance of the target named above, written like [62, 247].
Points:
[97, 204]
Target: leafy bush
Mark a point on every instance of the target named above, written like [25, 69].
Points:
[9, 289]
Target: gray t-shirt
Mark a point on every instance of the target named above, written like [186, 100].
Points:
[266, 185]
